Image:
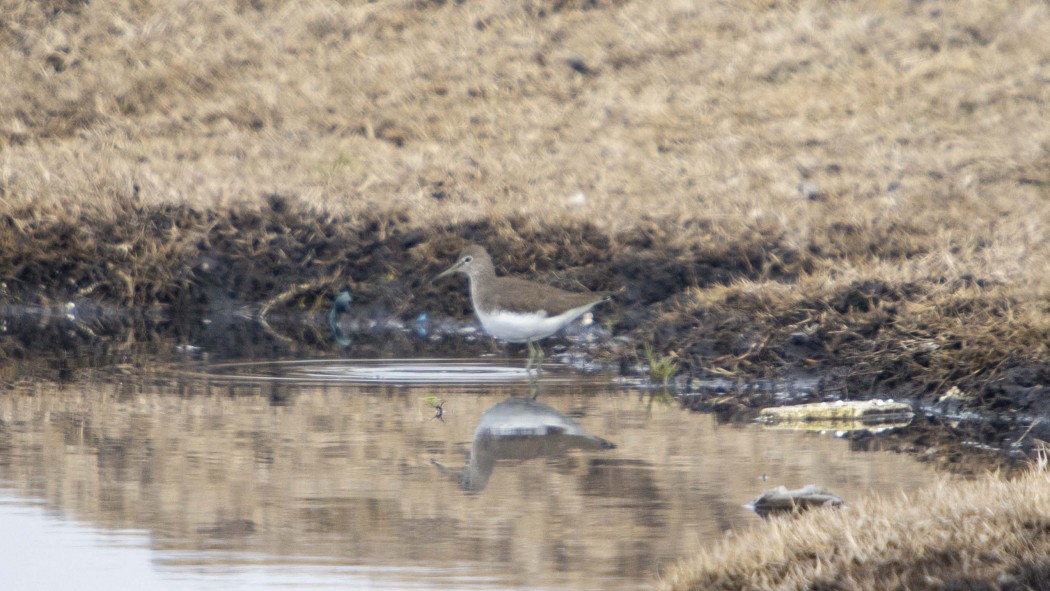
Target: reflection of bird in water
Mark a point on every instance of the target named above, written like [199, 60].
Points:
[521, 429]
[341, 305]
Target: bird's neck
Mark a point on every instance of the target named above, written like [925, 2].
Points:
[484, 273]
[485, 276]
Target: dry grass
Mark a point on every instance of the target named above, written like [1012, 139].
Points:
[871, 173]
[895, 113]
[983, 534]
[886, 329]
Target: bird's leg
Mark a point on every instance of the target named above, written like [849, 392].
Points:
[535, 388]
[528, 358]
[539, 358]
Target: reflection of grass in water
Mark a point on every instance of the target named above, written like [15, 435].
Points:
[662, 367]
[438, 404]
[663, 397]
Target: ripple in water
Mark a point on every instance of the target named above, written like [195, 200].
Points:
[387, 371]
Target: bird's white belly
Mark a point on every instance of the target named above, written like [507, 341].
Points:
[518, 328]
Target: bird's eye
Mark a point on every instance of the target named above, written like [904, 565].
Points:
[467, 259]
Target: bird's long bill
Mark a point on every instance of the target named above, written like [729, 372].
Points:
[447, 272]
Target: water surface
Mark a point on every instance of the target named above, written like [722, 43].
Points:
[324, 474]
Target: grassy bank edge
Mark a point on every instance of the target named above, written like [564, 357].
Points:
[712, 297]
[987, 533]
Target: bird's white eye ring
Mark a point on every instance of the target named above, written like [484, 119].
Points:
[467, 259]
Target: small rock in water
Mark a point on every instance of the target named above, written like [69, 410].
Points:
[782, 500]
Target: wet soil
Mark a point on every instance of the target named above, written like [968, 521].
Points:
[113, 284]
[953, 436]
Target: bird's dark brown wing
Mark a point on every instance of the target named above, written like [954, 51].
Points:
[518, 295]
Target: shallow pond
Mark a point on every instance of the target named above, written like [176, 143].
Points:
[341, 474]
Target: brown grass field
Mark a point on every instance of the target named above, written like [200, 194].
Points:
[855, 189]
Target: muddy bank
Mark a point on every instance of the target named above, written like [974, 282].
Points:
[69, 344]
[954, 436]
[737, 308]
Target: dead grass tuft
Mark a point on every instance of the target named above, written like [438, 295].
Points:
[931, 333]
[984, 534]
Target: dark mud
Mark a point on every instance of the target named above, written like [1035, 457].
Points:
[953, 436]
[171, 276]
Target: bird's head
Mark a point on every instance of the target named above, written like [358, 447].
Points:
[472, 261]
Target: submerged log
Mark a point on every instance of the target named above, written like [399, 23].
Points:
[869, 412]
